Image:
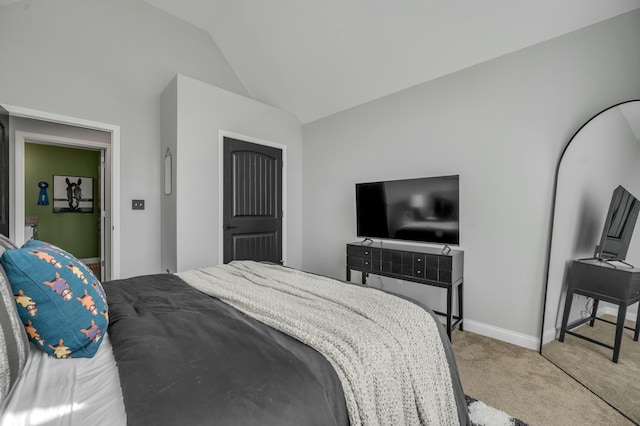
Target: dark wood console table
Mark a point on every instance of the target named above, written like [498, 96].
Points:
[600, 280]
[422, 265]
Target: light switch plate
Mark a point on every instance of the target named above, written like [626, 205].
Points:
[137, 204]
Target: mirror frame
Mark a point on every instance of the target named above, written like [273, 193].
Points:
[552, 220]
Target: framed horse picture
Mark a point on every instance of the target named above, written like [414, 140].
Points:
[72, 194]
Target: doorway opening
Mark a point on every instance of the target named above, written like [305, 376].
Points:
[64, 199]
[109, 152]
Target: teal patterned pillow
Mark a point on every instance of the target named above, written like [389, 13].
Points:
[60, 302]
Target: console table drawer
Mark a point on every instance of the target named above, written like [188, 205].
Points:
[356, 262]
[359, 262]
[359, 251]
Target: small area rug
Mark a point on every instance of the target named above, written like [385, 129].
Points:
[482, 414]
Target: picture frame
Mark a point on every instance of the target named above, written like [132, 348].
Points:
[72, 194]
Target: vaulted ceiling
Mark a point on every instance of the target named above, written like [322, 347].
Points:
[316, 58]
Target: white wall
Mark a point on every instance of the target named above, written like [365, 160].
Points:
[602, 156]
[109, 62]
[202, 112]
[501, 126]
[55, 129]
[168, 202]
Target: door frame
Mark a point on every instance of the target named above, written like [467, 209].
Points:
[16, 170]
[221, 135]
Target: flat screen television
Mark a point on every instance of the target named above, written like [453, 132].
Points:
[424, 210]
[618, 226]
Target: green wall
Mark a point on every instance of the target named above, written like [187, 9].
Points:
[78, 233]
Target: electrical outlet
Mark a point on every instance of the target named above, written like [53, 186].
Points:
[137, 204]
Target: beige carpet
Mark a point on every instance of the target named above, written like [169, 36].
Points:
[524, 384]
[591, 364]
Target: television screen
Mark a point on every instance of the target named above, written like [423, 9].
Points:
[618, 226]
[423, 210]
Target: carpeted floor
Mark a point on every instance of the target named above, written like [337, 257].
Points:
[591, 364]
[524, 384]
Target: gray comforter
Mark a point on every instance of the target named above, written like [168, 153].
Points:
[187, 358]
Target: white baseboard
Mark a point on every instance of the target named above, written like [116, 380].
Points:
[525, 341]
[518, 339]
[550, 335]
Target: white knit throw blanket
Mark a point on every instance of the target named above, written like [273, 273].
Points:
[386, 351]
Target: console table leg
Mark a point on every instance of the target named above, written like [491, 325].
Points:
[460, 306]
[449, 309]
[348, 274]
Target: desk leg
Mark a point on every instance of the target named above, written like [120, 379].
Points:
[637, 332]
[449, 313]
[565, 315]
[364, 277]
[622, 313]
[460, 306]
[594, 311]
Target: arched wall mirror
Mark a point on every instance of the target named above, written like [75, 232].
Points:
[602, 155]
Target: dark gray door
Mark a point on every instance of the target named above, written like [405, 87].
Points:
[252, 202]
[4, 172]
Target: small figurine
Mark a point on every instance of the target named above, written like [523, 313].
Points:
[43, 197]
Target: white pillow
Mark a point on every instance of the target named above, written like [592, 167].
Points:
[14, 345]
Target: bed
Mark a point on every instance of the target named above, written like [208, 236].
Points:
[239, 344]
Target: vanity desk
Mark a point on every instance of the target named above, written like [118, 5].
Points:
[601, 280]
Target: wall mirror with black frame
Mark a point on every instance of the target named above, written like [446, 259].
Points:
[602, 155]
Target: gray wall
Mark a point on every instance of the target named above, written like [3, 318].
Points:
[501, 126]
[109, 62]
